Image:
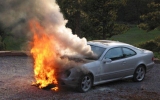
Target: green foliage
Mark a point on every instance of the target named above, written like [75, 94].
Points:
[120, 28]
[151, 20]
[73, 12]
[3, 35]
[9, 41]
[2, 46]
[135, 36]
[157, 55]
[14, 43]
[102, 16]
[153, 45]
[93, 19]
[132, 10]
[150, 45]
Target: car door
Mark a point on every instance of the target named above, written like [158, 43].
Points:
[130, 60]
[113, 64]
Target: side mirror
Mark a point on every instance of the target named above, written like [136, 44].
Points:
[106, 60]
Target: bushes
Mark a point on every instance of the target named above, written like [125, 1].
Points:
[153, 45]
[150, 45]
[2, 46]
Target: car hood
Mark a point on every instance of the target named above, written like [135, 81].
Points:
[76, 63]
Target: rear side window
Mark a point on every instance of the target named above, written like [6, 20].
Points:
[128, 52]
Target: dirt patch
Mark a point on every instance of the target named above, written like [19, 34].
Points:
[144, 95]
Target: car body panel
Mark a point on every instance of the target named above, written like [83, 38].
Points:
[105, 70]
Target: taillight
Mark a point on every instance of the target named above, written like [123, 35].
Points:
[152, 58]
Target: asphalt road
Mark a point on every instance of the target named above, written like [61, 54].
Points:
[16, 77]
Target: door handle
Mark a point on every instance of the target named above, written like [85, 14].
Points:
[124, 62]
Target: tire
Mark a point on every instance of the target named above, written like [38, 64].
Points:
[139, 74]
[85, 83]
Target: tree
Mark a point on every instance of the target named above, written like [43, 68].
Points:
[7, 32]
[151, 20]
[2, 37]
[72, 11]
[132, 10]
[93, 19]
[102, 15]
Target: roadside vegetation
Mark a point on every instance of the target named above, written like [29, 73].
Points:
[14, 43]
[134, 22]
[135, 36]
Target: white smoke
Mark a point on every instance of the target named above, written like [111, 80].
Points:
[16, 14]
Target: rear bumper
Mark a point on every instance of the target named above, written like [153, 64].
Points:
[150, 66]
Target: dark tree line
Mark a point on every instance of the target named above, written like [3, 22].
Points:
[101, 19]
[131, 12]
[6, 32]
[93, 19]
[151, 19]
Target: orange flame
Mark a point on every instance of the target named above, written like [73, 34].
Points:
[43, 50]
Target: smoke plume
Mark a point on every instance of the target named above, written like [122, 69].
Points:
[15, 14]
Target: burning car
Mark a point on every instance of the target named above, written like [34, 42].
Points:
[109, 61]
[113, 61]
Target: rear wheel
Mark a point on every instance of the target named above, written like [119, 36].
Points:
[85, 83]
[139, 74]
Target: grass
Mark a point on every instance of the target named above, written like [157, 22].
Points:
[135, 36]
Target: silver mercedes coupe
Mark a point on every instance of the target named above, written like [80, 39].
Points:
[114, 61]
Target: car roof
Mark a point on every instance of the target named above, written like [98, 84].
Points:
[107, 43]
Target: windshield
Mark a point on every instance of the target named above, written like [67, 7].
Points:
[98, 51]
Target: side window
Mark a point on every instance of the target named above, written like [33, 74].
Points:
[114, 54]
[128, 52]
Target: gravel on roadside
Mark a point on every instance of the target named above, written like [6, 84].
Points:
[16, 77]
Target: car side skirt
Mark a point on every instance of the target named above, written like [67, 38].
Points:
[105, 81]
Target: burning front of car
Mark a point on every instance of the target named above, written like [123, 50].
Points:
[50, 67]
[78, 77]
[82, 71]
[50, 44]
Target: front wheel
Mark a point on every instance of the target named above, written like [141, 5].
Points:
[139, 74]
[85, 83]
